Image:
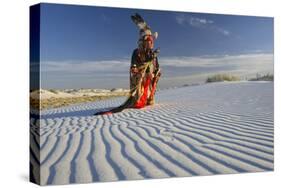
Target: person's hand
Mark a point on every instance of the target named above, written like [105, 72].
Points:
[134, 70]
[159, 73]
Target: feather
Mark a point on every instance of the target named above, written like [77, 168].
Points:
[139, 21]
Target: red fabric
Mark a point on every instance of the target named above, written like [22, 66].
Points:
[142, 101]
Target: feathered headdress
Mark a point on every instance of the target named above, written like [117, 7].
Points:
[144, 28]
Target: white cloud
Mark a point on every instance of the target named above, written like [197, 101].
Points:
[180, 70]
[211, 61]
[204, 23]
[194, 21]
[85, 66]
[175, 70]
[198, 21]
[256, 62]
[222, 31]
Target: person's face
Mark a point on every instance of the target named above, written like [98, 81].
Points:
[148, 43]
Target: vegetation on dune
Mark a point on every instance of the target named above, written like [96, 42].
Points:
[222, 77]
[229, 77]
[266, 77]
[54, 91]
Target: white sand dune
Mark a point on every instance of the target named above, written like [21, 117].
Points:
[200, 130]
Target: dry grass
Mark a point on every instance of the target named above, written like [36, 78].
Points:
[59, 102]
[266, 77]
[222, 77]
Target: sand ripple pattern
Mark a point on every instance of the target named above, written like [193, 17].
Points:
[218, 128]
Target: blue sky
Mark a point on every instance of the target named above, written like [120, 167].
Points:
[90, 47]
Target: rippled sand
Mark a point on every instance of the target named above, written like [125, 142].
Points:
[217, 128]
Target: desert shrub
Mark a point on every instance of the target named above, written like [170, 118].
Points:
[266, 77]
[222, 77]
[53, 91]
